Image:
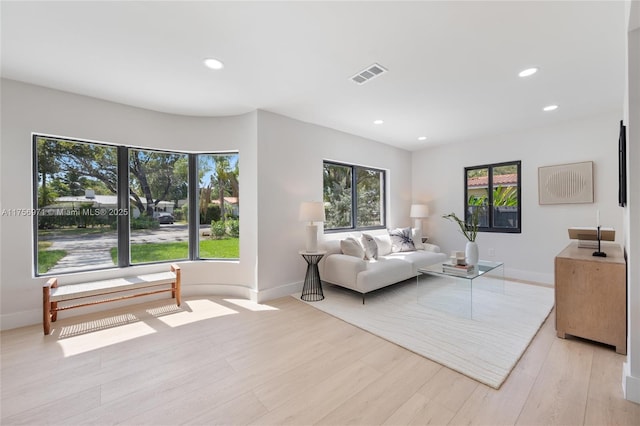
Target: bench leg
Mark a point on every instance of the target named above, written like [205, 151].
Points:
[49, 308]
[46, 310]
[175, 292]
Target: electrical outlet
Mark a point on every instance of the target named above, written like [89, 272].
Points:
[492, 252]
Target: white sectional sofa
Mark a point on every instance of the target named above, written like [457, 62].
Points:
[363, 275]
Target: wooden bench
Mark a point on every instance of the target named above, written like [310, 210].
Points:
[86, 294]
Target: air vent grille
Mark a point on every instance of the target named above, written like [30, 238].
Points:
[368, 73]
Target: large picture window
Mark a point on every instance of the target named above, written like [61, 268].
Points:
[493, 192]
[353, 197]
[102, 206]
[219, 206]
[158, 184]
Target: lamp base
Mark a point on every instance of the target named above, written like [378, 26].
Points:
[312, 239]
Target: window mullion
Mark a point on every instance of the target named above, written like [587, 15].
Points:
[490, 197]
[354, 197]
[193, 211]
[123, 203]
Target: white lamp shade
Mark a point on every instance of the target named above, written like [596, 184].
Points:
[312, 211]
[419, 211]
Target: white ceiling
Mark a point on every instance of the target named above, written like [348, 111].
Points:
[452, 65]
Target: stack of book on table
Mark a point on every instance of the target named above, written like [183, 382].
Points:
[454, 269]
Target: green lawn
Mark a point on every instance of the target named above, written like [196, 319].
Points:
[48, 258]
[228, 248]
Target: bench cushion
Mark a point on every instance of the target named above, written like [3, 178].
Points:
[96, 288]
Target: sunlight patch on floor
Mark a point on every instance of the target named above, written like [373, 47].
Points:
[251, 306]
[96, 336]
[164, 310]
[67, 331]
[198, 310]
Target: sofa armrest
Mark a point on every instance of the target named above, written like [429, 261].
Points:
[342, 269]
[431, 247]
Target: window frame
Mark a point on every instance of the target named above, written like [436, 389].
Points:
[123, 231]
[354, 198]
[490, 185]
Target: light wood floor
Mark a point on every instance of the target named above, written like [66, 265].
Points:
[227, 361]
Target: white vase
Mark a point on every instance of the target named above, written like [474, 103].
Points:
[471, 253]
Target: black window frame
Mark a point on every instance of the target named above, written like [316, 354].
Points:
[490, 227]
[123, 203]
[354, 198]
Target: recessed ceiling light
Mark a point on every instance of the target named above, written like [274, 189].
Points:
[550, 108]
[214, 64]
[422, 138]
[378, 122]
[527, 72]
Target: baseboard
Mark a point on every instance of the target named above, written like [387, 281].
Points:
[630, 384]
[20, 319]
[217, 290]
[277, 292]
[535, 277]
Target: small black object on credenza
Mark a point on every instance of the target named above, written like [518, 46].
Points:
[599, 253]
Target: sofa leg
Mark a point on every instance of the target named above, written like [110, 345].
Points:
[363, 298]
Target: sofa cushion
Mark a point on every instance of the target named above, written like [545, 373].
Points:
[431, 247]
[351, 247]
[401, 240]
[342, 270]
[384, 244]
[370, 246]
[418, 259]
[416, 236]
[330, 246]
[383, 272]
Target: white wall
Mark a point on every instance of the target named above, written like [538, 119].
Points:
[280, 166]
[438, 180]
[27, 108]
[291, 153]
[631, 370]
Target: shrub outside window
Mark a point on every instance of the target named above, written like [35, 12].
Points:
[219, 206]
[158, 184]
[494, 190]
[353, 197]
[103, 206]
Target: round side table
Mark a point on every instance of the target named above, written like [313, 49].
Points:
[312, 289]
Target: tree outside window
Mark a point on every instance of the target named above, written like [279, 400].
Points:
[494, 191]
[353, 197]
[78, 209]
[219, 206]
[158, 183]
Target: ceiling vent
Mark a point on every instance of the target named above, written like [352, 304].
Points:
[369, 73]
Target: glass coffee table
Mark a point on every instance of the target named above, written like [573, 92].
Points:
[452, 292]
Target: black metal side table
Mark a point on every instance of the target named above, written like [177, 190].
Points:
[312, 289]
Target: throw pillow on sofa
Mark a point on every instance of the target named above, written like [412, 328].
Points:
[401, 240]
[351, 247]
[416, 236]
[384, 244]
[370, 246]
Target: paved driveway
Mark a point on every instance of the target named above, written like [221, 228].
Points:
[94, 250]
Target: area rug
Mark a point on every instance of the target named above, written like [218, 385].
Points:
[481, 334]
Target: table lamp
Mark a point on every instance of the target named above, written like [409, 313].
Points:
[419, 212]
[312, 211]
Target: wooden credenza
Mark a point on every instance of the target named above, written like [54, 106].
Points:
[591, 295]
